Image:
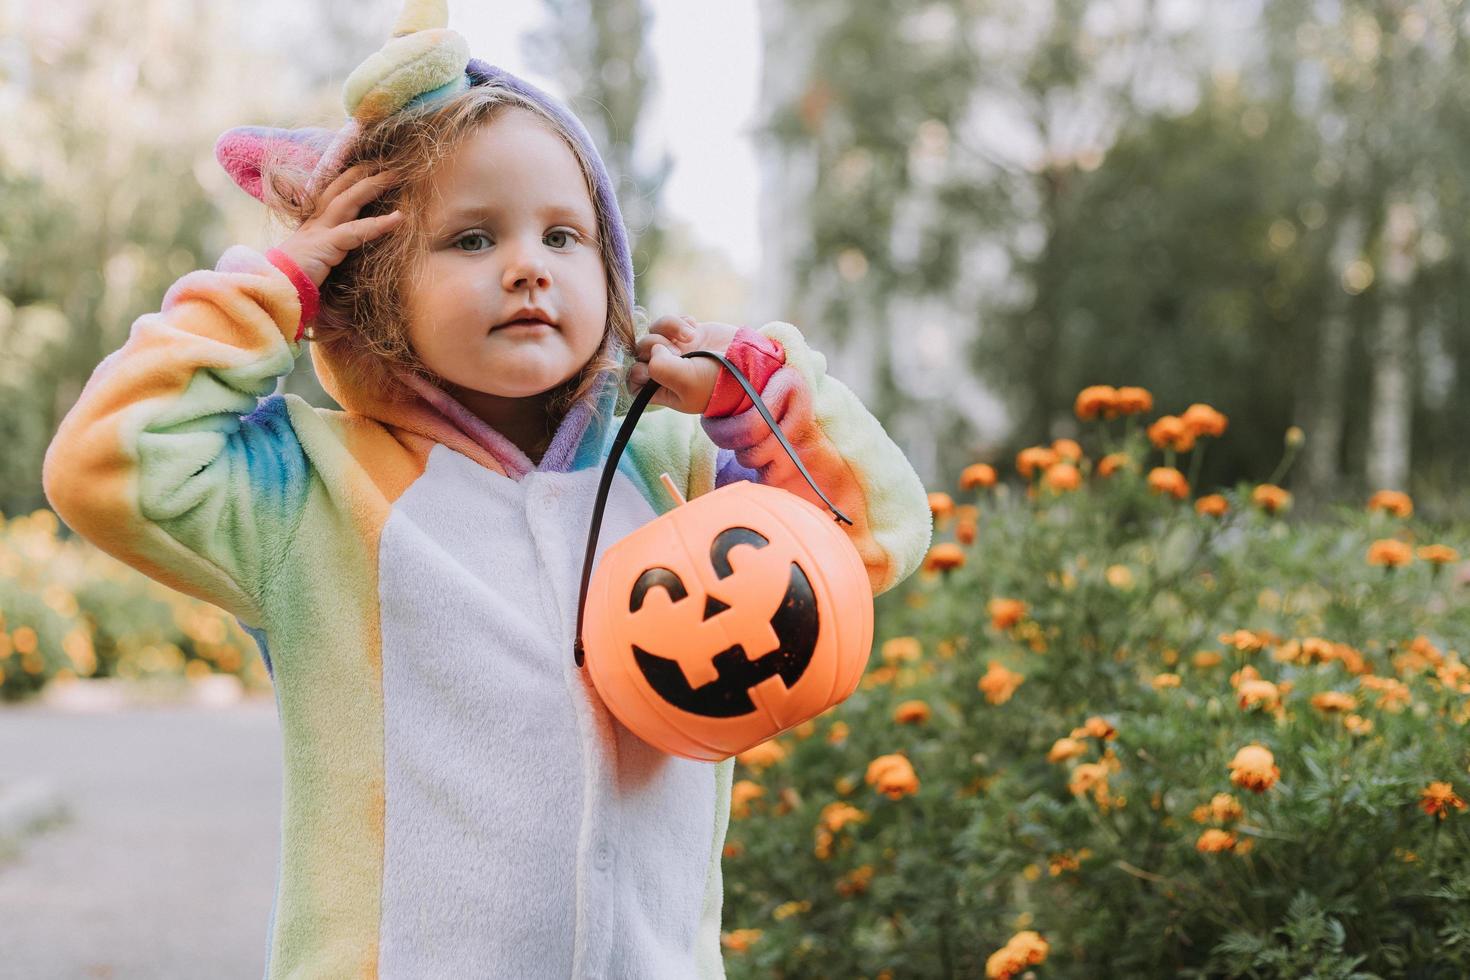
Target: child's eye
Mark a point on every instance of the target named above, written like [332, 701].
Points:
[471, 237]
[566, 233]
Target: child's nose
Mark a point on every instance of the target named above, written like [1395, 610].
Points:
[527, 269]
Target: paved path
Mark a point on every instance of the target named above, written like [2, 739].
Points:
[166, 868]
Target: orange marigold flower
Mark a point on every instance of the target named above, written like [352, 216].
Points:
[1254, 768]
[1245, 641]
[1096, 727]
[1063, 476]
[1096, 400]
[733, 849]
[943, 557]
[1330, 701]
[1065, 748]
[1246, 673]
[999, 683]
[1439, 554]
[855, 882]
[1067, 449]
[1393, 502]
[1091, 776]
[1162, 681]
[1034, 458]
[1271, 498]
[1259, 694]
[1357, 724]
[1393, 693]
[1024, 949]
[1212, 505]
[1005, 613]
[941, 505]
[1170, 432]
[911, 713]
[741, 795]
[893, 776]
[1205, 659]
[965, 531]
[1111, 463]
[760, 756]
[977, 475]
[1222, 808]
[837, 734]
[1439, 798]
[1389, 552]
[1203, 420]
[902, 649]
[740, 940]
[1214, 840]
[837, 815]
[1166, 479]
[1132, 401]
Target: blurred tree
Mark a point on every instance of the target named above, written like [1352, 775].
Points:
[599, 49]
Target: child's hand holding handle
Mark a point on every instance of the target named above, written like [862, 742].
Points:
[324, 239]
[687, 382]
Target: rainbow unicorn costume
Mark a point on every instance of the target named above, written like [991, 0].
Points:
[457, 800]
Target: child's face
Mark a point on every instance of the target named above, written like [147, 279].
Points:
[510, 225]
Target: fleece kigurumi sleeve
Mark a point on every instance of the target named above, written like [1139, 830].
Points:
[164, 462]
[842, 445]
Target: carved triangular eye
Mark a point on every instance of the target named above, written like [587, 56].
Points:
[713, 606]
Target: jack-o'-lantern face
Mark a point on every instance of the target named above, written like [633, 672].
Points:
[767, 603]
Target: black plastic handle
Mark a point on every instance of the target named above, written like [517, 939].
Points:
[610, 467]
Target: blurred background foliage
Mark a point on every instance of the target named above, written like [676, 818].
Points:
[977, 207]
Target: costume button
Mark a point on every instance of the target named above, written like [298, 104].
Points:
[604, 856]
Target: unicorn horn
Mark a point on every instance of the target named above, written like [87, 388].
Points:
[423, 60]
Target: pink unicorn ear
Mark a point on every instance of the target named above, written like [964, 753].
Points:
[242, 150]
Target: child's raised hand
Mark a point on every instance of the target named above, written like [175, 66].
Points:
[687, 382]
[324, 239]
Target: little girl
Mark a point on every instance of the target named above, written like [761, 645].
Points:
[457, 800]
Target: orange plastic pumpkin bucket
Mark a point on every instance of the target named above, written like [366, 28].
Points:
[733, 617]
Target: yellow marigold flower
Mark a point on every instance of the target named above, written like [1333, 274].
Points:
[1254, 768]
[787, 909]
[1205, 659]
[855, 882]
[1024, 949]
[1203, 420]
[977, 475]
[1065, 748]
[1034, 458]
[1096, 400]
[1096, 727]
[1393, 502]
[1162, 681]
[1212, 505]
[1119, 576]
[837, 733]
[911, 713]
[740, 940]
[741, 795]
[879, 676]
[1389, 552]
[1214, 840]
[941, 505]
[1170, 432]
[24, 639]
[1067, 449]
[1112, 462]
[1005, 613]
[1259, 694]
[837, 815]
[1357, 724]
[902, 649]
[1330, 701]
[760, 756]
[1222, 808]
[1439, 798]
[1132, 401]
[1062, 477]
[1166, 479]
[1271, 498]
[1439, 554]
[999, 684]
[893, 776]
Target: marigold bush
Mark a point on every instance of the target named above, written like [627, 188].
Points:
[69, 611]
[1157, 738]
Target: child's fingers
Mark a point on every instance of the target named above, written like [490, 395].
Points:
[645, 345]
[340, 183]
[349, 202]
[353, 234]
